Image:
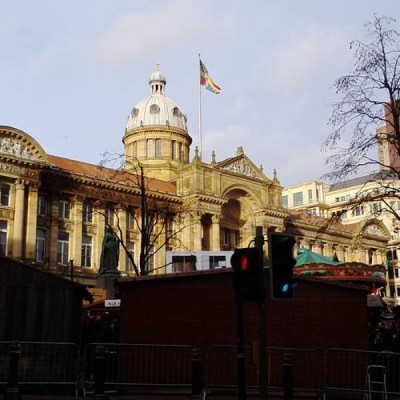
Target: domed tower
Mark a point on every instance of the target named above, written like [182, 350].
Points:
[156, 133]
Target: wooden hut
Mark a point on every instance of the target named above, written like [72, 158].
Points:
[36, 305]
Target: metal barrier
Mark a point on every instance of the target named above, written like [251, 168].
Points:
[221, 370]
[43, 363]
[345, 370]
[174, 368]
[140, 366]
[306, 369]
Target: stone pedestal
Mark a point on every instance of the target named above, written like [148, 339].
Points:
[109, 282]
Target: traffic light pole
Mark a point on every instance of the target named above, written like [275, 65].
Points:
[263, 373]
[241, 370]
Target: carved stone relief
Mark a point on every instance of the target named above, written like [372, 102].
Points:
[241, 167]
[15, 148]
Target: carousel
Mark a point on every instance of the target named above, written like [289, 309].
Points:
[310, 264]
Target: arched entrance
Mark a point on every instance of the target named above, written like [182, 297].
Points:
[237, 219]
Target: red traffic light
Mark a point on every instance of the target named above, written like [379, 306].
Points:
[247, 268]
[244, 263]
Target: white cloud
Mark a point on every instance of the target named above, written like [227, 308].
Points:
[166, 27]
[297, 60]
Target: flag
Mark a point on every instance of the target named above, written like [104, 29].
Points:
[206, 80]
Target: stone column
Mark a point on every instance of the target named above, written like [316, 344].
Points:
[19, 218]
[215, 233]
[76, 242]
[196, 229]
[317, 247]
[31, 223]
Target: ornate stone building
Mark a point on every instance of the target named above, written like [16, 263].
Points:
[54, 211]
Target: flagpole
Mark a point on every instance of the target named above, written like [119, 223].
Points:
[200, 126]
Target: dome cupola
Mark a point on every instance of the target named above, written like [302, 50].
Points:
[156, 132]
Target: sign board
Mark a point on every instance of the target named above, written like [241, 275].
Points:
[112, 303]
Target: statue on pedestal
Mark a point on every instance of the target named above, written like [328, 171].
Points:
[109, 254]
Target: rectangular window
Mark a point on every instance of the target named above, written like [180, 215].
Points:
[150, 148]
[358, 211]
[376, 207]
[298, 198]
[134, 149]
[40, 245]
[183, 263]
[173, 149]
[130, 220]
[158, 148]
[285, 202]
[3, 238]
[4, 195]
[180, 151]
[42, 206]
[110, 217]
[87, 212]
[310, 196]
[131, 250]
[218, 262]
[64, 209]
[86, 251]
[63, 248]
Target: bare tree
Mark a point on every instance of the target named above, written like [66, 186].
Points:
[367, 116]
[156, 214]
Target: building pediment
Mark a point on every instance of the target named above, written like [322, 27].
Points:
[18, 144]
[241, 165]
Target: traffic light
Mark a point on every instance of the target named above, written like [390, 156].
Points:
[282, 263]
[247, 274]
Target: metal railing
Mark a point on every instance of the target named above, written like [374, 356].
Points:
[139, 365]
[221, 369]
[345, 370]
[41, 363]
[179, 368]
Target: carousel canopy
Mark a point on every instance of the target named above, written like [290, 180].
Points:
[305, 256]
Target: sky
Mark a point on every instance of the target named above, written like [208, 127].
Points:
[71, 72]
